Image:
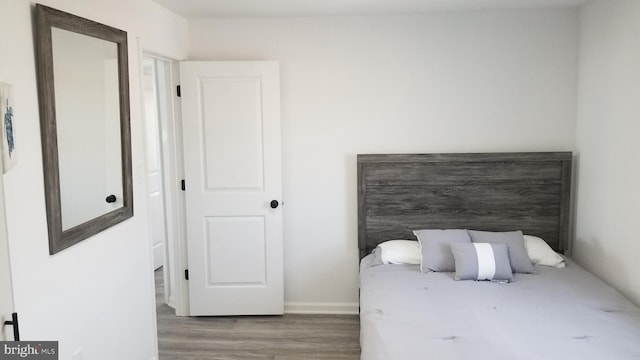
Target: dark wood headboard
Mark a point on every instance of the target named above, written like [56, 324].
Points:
[399, 193]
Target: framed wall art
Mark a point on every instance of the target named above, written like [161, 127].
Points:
[7, 114]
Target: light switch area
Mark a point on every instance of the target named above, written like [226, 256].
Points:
[77, 355]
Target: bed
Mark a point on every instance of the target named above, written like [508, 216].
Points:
[552, 314]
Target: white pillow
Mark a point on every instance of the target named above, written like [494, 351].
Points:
[400, 252]
[541, 253]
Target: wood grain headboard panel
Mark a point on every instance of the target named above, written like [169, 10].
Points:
[399, 193]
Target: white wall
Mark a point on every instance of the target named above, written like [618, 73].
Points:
[444, 82]
[608, 200]
[98, 294]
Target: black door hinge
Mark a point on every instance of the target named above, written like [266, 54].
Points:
[186, 274]
[182, 185]
[178, 93]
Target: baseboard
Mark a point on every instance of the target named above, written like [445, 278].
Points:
[321, 308]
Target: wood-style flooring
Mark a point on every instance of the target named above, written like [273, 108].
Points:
[288, 337]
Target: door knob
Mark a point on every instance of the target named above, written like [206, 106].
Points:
[274, 204]
[14, 322]
[111, 199]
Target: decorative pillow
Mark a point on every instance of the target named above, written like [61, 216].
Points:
[540, 253]
[400, 252]
[520, 262]
[482, 261]
[435, 246]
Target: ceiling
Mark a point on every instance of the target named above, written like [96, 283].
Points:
[281, 8]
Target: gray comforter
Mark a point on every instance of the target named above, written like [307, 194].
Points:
[554, 314]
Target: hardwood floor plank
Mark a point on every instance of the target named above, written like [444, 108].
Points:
[287, 337]
[214, 356]
[312, 357]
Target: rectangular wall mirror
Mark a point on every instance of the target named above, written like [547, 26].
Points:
[83, 90]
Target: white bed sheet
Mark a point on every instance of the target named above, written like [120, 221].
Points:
[554, 314]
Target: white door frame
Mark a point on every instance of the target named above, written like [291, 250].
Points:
[7, 302]
[176, 286]
[154, 166]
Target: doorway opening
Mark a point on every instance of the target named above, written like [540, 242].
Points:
[164, 171]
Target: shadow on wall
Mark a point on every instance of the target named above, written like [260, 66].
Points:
[351, 204]
[590, 251]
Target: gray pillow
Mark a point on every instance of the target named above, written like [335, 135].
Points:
[520, 262]
[482, 261]
[435, 246]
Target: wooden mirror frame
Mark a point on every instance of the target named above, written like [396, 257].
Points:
[47, 18]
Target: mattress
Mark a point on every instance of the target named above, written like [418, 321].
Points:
[553, 314]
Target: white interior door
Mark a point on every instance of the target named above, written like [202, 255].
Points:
[6, 287]
[157, 228]
[232, 158]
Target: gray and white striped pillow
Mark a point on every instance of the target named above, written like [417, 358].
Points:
[520, 262]
[482, 261]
